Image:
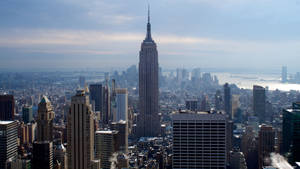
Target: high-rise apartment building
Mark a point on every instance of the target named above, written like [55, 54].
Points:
[148, 121]
[199, 140]
[45, 120]
[291, 133]
[80, 131]
[259, 102]
[122, 105]
[266, 144]
[7, 107]
[8, 142]
[227, 100]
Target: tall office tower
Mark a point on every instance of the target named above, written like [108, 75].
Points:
[196, 74]
[122, 105]
[266, 145]
[113, 101]
[237, 160]
[7, 107]
[227, 100]
[27, 114]
[149, 121]
[42, 155]
[45, 120]
[218, 100]
[80, 131]
[60, 155]
[81, 81]
[199, 140]
[284, 74]
[96, 96]
[259, 102]
[291, 132]
[8, 141]
[105, 146]
[122, 128]
[106, 115]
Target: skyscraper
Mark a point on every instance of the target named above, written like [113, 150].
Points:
[122, 128]
[80, 129]
[96, 95]
[122, 105]
[149, 121]
[45, 120]
[266, 144]
[105, 146]
[27, 114]
[42, 155]
[284, 74]
[259, 102]
[8, 141]
[291, 132]
[106, 115]
[7, 107]
[227, 100]
[199, 140]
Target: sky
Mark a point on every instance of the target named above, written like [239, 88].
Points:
[103, 34]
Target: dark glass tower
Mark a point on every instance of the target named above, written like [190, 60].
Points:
[149, 122]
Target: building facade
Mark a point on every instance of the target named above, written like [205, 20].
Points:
[259, 102]
[148, 121]
[45, 120]
[7, 107]
[199, 140]
[80, 132]
[122, 105]
[8, 141]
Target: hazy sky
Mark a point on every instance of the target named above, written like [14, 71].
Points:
[250, 34]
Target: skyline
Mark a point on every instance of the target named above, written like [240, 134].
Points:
[100, 34]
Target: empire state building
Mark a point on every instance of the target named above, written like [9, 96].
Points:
[148, 124]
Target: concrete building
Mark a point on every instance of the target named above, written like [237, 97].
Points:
[148, 124]
[259, 102]
[80, 132]
[199, 140]
[7, 107]
[45, 120]
[105, 146]
[8, 142]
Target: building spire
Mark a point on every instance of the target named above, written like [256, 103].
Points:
[148, 36]
[148, 13]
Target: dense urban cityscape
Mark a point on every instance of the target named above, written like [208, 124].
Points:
[146, 117]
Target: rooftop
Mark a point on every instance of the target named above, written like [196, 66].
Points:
[5, 122]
